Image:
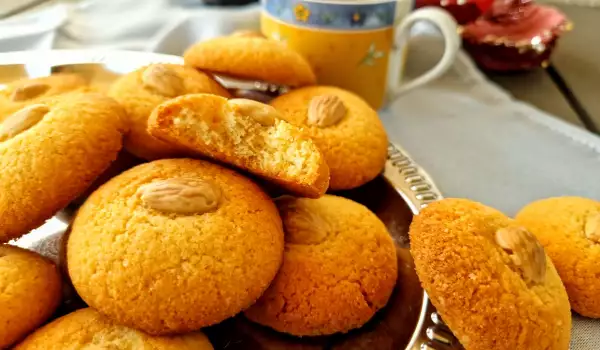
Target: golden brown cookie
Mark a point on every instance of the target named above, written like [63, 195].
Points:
[88, 329]
[251, 58]
[142, 90]
[569, 230]
[30, 291]
[346, 129]
[174, 245]
[50, 153]
[24, 92]
[489, 278]
[244, 133]
[339, 268]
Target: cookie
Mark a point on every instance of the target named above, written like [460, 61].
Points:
[24, 92]
[30, 291]
[50, 153]
[142, 90]
[251, 58]
[88, 329]
[339, 268]
[489, 278]
[244, 133]
[569, 230]
[346, 129]
[174, 245]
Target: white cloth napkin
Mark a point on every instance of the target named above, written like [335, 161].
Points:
[472, 137]
[32, 30]
[478, 142]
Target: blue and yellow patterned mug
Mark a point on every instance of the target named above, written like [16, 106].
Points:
[357, 45]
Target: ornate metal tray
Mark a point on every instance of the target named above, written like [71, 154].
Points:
[408, 322]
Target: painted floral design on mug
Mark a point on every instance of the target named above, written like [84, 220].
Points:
[371, 56]
[359, 16]
[302, 13]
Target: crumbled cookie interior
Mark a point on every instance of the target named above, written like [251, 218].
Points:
[275, 149]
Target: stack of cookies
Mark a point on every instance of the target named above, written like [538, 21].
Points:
[225, 213]
[198, 198]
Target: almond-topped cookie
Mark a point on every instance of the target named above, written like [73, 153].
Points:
[23, 92]
[346, 129]
[50, 152]
[489, 278]
[244, 133]
[88, 329]
[569, 230]
[145, 88]
[251, 58]
[339, 268]
[30, 291]
[174, 245]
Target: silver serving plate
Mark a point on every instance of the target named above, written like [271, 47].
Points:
[409, 321]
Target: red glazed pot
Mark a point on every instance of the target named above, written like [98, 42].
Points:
[519, 38]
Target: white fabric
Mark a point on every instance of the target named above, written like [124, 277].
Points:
[472, 137]
[32, 30]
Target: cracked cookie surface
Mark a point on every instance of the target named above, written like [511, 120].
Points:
[50, 153]
[30, 291]
[339, 268]
[474, 263]
[136, 255]
[87, 329]
[568, 228]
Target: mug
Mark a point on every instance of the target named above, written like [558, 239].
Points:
[358, 45]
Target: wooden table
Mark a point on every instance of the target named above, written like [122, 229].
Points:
[570, 87]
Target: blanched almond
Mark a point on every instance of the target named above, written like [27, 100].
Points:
[181, 196]
[22, 120]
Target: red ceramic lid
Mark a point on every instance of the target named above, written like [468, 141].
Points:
[517, 24]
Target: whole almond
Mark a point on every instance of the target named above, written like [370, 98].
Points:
[592, 227]
[163, 80]
[525, 252]
[22, 120]
[28, 91]
[302, 225]
[326, 110]
[263, 114]
[181, 196]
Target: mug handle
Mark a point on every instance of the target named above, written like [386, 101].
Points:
[449, 28]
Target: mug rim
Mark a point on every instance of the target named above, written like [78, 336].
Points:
[338, 14]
